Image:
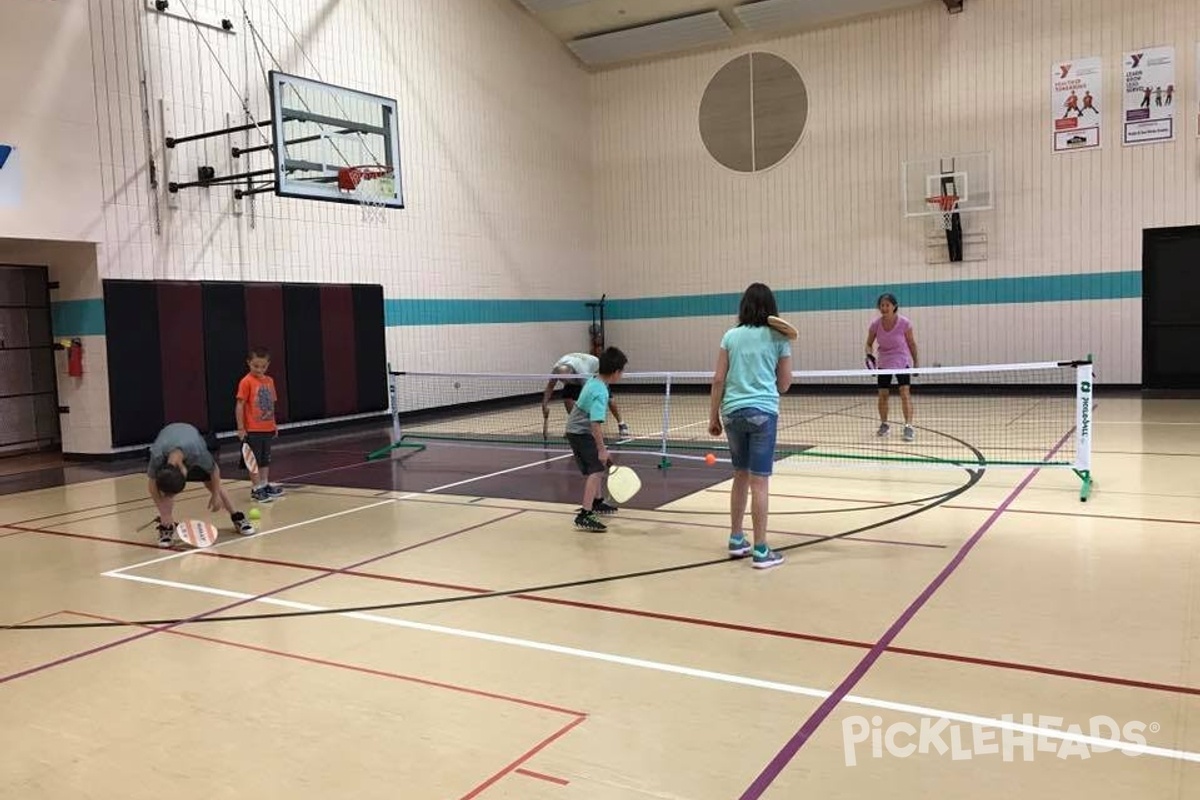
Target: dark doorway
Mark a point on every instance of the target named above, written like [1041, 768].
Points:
[28, 384]
[1171, 308]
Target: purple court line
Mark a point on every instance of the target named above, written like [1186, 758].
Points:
[785, 755]
[91, 651]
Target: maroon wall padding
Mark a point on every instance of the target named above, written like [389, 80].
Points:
[264, 328]
[181, 350]
[338, 348]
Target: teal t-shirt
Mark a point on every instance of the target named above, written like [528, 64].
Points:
[754, 353]
[592, 406]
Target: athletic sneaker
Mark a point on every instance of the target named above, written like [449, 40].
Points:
[765, 558]
[274, 490]
[262, 494]
[586, 521]
[739, 546]
[623, 429]
[883, 430]
[601, 507]
[909, 434]
[166, 535]
[244, 526]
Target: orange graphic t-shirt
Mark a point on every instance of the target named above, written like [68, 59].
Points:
[259, 396]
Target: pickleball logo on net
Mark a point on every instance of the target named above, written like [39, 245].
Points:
[1011, 739]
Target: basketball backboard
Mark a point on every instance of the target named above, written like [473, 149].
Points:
[325, 135]
[969, 176]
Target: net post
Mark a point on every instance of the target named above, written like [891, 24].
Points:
[663, 461]
[394, 412]
[1084, 403]
[394, 405]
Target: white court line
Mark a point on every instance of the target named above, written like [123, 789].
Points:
[702, 674]
[237, 538]
[1140, 422]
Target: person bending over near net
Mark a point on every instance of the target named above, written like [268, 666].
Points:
[754, 367]
[585, 432]
[893, 333]
[580, 366]
[178, 456]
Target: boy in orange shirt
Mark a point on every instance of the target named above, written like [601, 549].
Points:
[256, 420]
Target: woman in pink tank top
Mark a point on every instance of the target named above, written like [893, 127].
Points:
[893, 334]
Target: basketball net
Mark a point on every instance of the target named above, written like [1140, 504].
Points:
[944, 205]
[371, 186]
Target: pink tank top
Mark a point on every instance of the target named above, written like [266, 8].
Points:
[892, 345]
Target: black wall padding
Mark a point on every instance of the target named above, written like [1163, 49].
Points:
[371, 348]
[224, 350]
[264, 328]
[305, 361]
[134, 361]
[337, 339]
[180, 320]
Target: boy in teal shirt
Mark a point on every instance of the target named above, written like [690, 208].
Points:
[586, 435]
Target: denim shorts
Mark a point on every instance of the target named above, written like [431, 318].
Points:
[751, 435]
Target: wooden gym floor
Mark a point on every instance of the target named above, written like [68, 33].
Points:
[961, 617]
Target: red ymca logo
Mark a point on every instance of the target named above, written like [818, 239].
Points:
[1066, 70]
[1136, 59]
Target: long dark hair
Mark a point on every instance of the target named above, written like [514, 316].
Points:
[758, 303]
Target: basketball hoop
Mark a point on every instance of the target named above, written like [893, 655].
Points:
[946, 205]
[371, 185]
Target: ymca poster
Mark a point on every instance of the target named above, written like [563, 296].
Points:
[10, 176]
[1075, 104]
[1149, 92]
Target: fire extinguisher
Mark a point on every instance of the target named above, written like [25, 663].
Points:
[75, 358]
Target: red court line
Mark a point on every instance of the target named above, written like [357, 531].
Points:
[147, 500]
[563, 731]
[737, 627]
[1168, 520]
[1060, 673]
[687, 620]
[237, 604]
[84, 536]
[857, 539]
[349, 667]
[40, 618]
[540, 776]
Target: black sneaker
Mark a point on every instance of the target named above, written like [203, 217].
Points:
[244, 526]
[601, 507]
[166, 535]
[586, 521]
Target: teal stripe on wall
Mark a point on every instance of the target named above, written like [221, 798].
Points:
[86, 317]
[475, 312]
[990, 291]
[77, 317]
